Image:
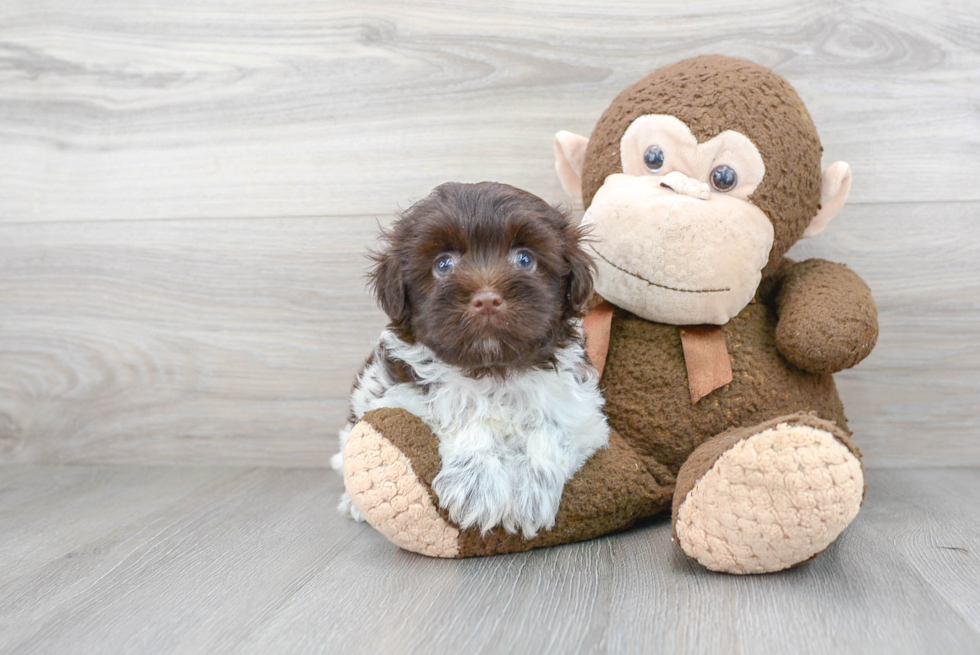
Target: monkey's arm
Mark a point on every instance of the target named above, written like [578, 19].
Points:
[827, 319]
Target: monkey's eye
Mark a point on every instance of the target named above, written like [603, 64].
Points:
[444, 265]
[653, 158]
[522, 260]
[723, 178]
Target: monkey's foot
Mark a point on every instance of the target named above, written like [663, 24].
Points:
[768, 497]
[391, 490]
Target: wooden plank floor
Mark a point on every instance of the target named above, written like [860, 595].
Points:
[216, 560]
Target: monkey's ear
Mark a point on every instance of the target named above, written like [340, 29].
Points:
[388, 286]
[833, 194]
[569, 161]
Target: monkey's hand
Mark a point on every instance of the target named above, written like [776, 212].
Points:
[827, 319]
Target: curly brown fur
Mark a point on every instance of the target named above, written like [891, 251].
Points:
[482, 226]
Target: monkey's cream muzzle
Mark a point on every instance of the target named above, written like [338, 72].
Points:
[670, 250]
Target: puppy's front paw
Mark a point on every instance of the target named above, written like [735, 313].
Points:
[475, 490]
[537, 494]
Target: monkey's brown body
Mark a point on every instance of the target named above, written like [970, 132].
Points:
[647, 398]
[696, 182]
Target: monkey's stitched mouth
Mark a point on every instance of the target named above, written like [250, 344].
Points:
[654, 284]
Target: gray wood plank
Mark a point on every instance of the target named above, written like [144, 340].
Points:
[235, 341]
[914, 521]
[48, 514]
[186, 109]
[207, 341]
[190, 576]
[258, 561]
[637, 593]
[865, 594]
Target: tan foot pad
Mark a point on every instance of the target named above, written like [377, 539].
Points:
[382, 485]
[771, 501]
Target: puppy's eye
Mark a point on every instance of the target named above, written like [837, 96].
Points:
[445, 264]
[522, 260]
[723, 178]
[654, 158]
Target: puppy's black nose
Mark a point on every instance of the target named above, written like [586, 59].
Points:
[486, 301]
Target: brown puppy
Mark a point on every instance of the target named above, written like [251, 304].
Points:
[485, 286]
[488, 276]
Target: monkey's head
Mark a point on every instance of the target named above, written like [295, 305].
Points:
[696, 181]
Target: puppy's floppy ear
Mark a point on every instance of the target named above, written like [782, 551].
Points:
[388, 283]
[581, 270]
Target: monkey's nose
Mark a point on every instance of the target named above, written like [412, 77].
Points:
[486, 301]
[680, 183]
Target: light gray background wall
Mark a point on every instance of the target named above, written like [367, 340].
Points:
[187, 190]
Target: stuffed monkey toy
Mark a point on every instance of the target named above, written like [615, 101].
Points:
[716, 352]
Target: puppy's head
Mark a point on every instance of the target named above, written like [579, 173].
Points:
[488, 276]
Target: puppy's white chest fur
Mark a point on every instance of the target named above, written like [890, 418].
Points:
[509, 445]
